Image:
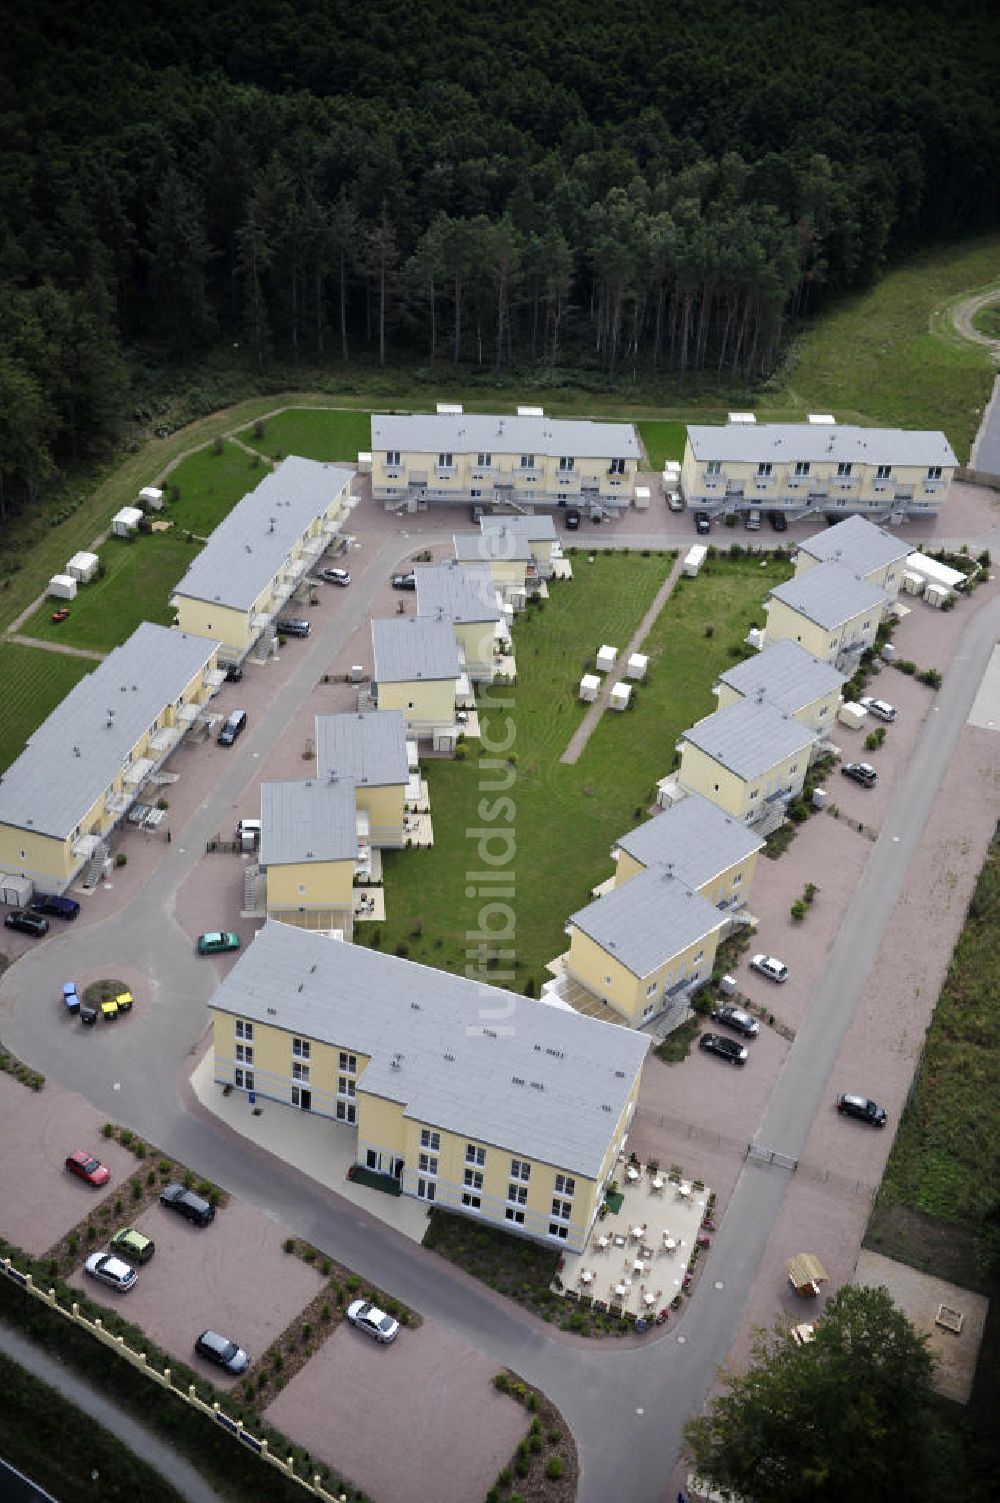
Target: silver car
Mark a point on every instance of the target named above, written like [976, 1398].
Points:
[373, 1321]
[879, 708]
[769, 966]
[108, 1269]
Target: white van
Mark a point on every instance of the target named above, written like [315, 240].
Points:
[248, 827]
[753, 521]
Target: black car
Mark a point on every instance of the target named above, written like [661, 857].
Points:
[860, 772]
[190, 1205]
[404, 581]
[293, 626]
[735, 1017]
[54, 905]
[572, 518]
[222, 1352]
[714, 1043]
[778, 521]
[235, 726]
[28, 923]
[702, 522]
[234, 673]
[862, 1108]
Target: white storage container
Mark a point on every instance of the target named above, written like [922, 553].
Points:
[642, 498]
[63, 586]
[151, 498]
[620, 696]
[589, 687]
[852, 715]
[637, 665]
[83, 566]
[606, 658]
[15, 890]
[125, 522]
[694, 558]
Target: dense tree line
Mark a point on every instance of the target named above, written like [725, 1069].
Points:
[644, 187]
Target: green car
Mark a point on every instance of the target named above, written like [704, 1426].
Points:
[217, 944]
[135, 1247]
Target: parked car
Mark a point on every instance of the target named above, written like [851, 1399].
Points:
[222, 1351]
[572, 518]
[54, 905]
[860, 772]
[110, 1270]
[234, 673]
[188, 1204]
[752, 521]
[729, 1049]
[136, 1247]
[27, 922]
[674, 499]
[373, 1321]
[880, 708]
[702, 522]
[862, 1108]
[293, 626]
[769, 966]
[235, 726]
[735, 1017]
[340, 577]
[85, 1166]
[217, 943]
[778, 521]
[404, 581]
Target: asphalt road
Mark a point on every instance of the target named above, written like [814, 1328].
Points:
[626, 1406]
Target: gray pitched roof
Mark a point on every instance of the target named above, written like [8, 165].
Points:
[857, 544]
[648, 919]
[75, 755]
[496, 546]
[251, 544]
[829, 594]
[749, 738]
[475, 433]
[519, 1075]
[693, 837]
[837, 443]
[784, 675]
[537, 528]
[408, 648]
[307, 821]
[456, 592]
[367, 747]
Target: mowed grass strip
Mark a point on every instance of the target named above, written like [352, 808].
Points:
[325, 434]
[565, 819]
[664, 440]
[139, 577]
[210, 484]
[32, 683]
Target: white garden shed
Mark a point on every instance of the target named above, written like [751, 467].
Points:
[642, 498]
[606, 658]
[620, 696]
[63, 586]
[637, 665]
[125, 522]
[83, 566]
[852, 715]
[694, 558]
[933, 572]
[590, 686]
[151, 498]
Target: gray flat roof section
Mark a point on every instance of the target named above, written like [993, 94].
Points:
[648, 919]
[456, 592]
[250, 545]
[749, 738]
[754, 443]
[784, 675]
[542, 1082]
[857, 544]
[366, 746]
[476, 433]
[408, 648]
[538, 528]
[75, 755]
[694, 838]
[496, 546]
[307, 821]
[829, 595]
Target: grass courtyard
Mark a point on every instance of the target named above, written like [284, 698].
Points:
[566, 818]
[324, 434]
[32, 683]
[210, 483]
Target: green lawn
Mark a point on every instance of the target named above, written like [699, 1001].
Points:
[664, 440]
[987, 321]
[139, 576]
[324, 434]
[210, 485]
[567, 817]
[32, 683]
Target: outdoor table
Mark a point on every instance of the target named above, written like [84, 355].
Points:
[669, 1244]
[619, 1241]
[684, 1191]
[620, 1290]
[649, 1299]
[636, 1233]
[638, 1266]
[586, 1277]
[658, 1183]
[603, 1242]
[631, 1173]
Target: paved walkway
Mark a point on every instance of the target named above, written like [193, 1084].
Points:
[590, 721]
[63, 647]
[157, 1453]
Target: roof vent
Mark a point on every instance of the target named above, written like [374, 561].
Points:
[396, 1062]
[415, 1006]
[489, 1033]
[76, 751]
[273, 1011]
[605, 1107]
[517, 1079]
[247, 548]
[301, 985]
[536, 1085]
[556, 1053]
[450, 1056]
[620, 1074]
[312, 970]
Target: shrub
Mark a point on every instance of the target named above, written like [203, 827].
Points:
[121, 859]
[137, 1189]
[906, 665]
[930, 676]
[325, 1313]
[151, 1177]
[289, 1244]
[710, 631]
[217, 445]
[554, 1468]
[326, 1267]
[119, 1206]
[555, 1436]
[108, 1130]
[798, 910]
[402, 949]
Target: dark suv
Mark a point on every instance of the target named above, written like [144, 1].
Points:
[28, 923]
[54, 905]
[190, 1205]
[862, 1108]
[294, 626]
[234, 726]
[728, 1049]
[736, 1017]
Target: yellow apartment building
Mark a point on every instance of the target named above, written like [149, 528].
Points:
[469, 599]
[259, 554]
[432, 458]
[478, 1100]
[749, 759]
[308, 849]
[789, 678]
[367, 749]
[819, 466]
[538, 531]
[417, 665]
[869, 552]
[827, 610]
[82, 769]
[713, 853]
[507, 556]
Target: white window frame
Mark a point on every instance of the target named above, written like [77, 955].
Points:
[430, 1139]
[426, 1189]
[473, 1179]
[243, 1079]
[244, 1054]
[764, 469]
[346, 1111]
[713, 468]
[244, 1030]
[427, 1163]
[565, 1185]
[392, 458]
[510, 1214]
[300, 1072]
[301, 1049]
[562, 1210]
[474, 1155]
[558, 1229]
[802, 468]
[517, 1194]
[348, 1063]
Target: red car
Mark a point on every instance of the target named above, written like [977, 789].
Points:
[60, 615]
[84, 1166]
